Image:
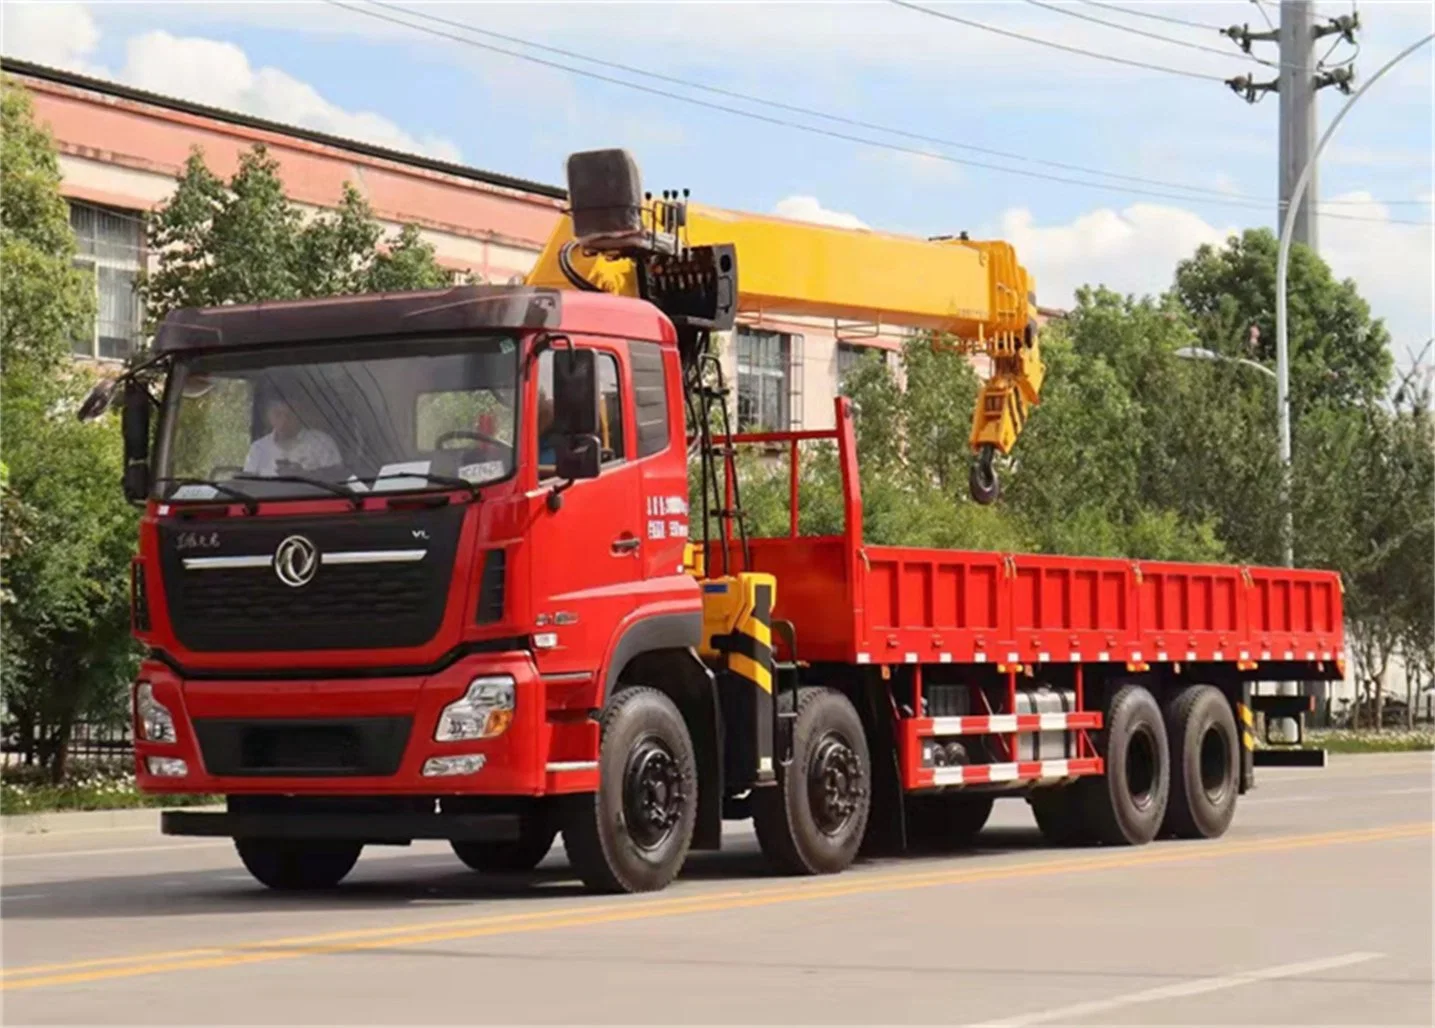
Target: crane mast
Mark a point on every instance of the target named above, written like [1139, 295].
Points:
[972, 297]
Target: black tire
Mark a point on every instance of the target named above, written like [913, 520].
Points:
[1125, 806]
[1061, 815]
[945, 822]
[535, 839]
[1205, 763]
[297, 866]
[633, 834]
[813, 821]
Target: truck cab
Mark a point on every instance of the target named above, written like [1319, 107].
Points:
[397, 546]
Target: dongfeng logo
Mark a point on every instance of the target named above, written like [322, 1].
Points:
[295, 561]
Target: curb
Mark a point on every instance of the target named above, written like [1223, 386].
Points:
[64, 822]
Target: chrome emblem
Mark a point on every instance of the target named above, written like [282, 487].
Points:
[295, 561]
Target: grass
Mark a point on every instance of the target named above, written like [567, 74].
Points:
[1368, 740]
[97, 787]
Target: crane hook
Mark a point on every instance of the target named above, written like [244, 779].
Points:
[983, 482]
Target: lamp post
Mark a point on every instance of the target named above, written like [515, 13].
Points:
[1282, 268]
[1202, 354]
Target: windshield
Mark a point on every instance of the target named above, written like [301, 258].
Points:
[334, 418]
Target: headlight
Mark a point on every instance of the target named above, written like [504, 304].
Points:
[167, 767]
[485, 711]
[155, 721]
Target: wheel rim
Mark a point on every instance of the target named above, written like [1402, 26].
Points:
[834, 784]
[1141, 767]
[1215, 764]
[652, 793]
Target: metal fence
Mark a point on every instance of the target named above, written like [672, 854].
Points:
[90, 743]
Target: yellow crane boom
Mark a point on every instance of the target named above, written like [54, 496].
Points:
[973, 296]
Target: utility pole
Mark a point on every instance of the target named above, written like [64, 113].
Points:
[1296, 90]
[1299, 77]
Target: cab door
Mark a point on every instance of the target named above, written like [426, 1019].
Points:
[586, 557]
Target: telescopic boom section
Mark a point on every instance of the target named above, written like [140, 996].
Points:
[974, 297]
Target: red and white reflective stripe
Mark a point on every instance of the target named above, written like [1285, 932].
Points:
[991, 723]
[1022, 771]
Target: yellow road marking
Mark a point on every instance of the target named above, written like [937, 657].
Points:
[49, 975]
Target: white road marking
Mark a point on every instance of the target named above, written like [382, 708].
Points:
[1327, 797]
[61, 854]
[1178, 990]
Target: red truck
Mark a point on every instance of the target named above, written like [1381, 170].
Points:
[418, 566]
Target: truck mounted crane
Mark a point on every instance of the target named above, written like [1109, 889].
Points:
[419, 566]
[972, 297]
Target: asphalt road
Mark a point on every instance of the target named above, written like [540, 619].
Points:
[1316, 908]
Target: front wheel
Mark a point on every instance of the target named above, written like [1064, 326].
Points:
[813, 821]
[633, 834]
[294, 866]
[535, 838]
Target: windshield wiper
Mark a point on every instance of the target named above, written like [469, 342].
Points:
[251, 505]
[448, 480]
[355, 500]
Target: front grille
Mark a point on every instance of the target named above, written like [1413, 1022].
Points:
[340, 747]
[217, 606]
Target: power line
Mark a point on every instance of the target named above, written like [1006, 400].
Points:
[1057, 46]
[1150, 35]
[797, 126]
[1220, 195]
[1262, 8]
[808, 111]
[1155, 17]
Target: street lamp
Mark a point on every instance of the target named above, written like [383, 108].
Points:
[1202, 354]
[1282, 268]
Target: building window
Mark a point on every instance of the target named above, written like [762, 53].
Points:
[851, 355]
[111, 247]
[764, 368]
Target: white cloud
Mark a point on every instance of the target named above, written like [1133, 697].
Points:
[61, 34]
[808, 208]
[1135, 250]
[202, 70]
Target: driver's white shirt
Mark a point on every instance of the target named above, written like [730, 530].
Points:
[308, 449]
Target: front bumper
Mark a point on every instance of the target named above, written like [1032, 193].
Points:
[257, 737]
[394, 828]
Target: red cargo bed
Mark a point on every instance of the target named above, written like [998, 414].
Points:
[859, 604]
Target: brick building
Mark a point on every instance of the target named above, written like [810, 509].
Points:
[121, 149]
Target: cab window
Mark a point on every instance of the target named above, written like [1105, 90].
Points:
[610, 412]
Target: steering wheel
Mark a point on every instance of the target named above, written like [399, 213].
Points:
[465, 433]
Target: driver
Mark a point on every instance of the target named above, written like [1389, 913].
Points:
[290, 446]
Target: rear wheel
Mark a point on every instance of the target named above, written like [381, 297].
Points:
[1125, 807]
[1205, 763]
[813, 821]
[535, 839]
[1061, 815]
[293, 865]
[633, 834]
[947, 822]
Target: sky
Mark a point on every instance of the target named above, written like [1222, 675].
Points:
[1104, 173]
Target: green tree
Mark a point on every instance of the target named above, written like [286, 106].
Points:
[243, 241]
[1339, 353]
[67, 534]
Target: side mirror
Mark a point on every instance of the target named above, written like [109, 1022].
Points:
[575, 393]
[99, 399]
[575, 414]
[578, 458]
[135, 425]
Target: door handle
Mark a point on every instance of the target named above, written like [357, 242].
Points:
[625, 544]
